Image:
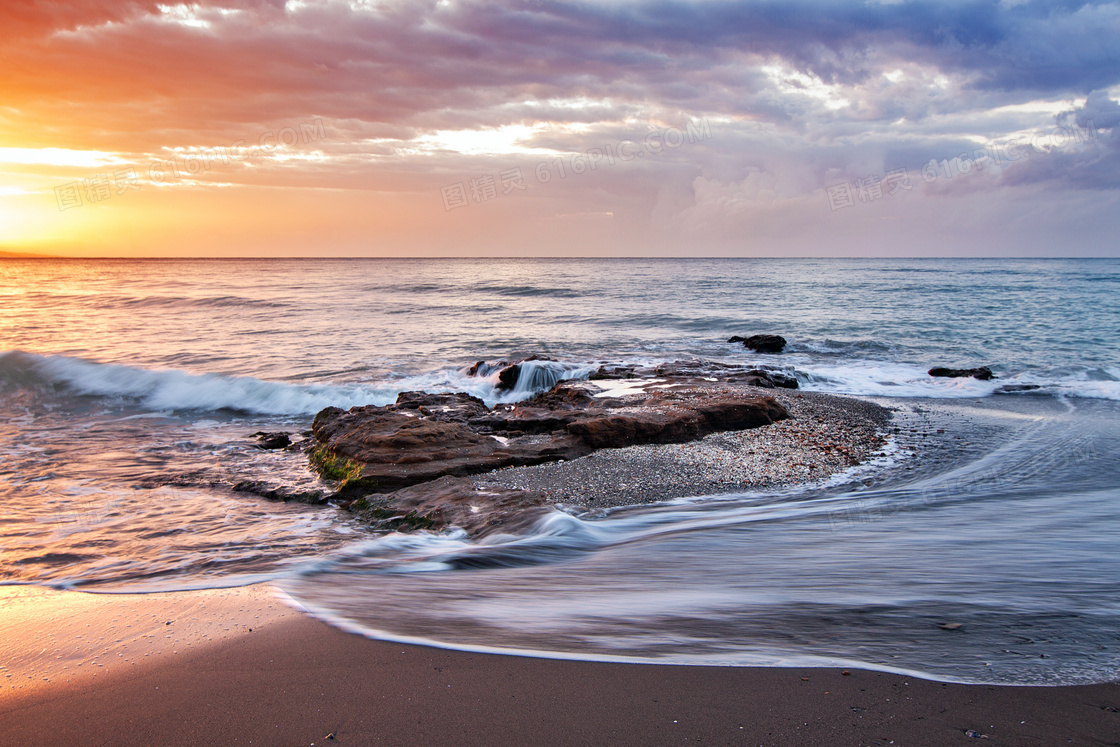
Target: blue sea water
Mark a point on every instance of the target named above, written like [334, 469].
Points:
[129, 390]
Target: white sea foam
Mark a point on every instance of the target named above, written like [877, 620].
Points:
[173, 389]
[886, 379]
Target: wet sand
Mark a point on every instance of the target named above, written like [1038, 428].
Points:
[296, 681]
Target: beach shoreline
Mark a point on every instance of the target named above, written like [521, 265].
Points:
[249, 665]
[295, 680]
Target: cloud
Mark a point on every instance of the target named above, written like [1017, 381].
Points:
[800, 94]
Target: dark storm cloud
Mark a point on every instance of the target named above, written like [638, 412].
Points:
[408, 58]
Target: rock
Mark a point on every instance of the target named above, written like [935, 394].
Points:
[764, 379]
[507, 378]
[454, 407]
[452, 501]
[394, 449]
[277, 440]
[983, 373]
[423, 437]
[762, 343]
[1016, 388]
[612, 372]
[950, 626]
[281, 493]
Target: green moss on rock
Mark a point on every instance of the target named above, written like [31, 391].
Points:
[331, 466]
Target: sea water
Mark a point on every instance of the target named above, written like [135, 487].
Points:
[130, 390]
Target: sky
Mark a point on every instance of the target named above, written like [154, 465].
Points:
[551, 128]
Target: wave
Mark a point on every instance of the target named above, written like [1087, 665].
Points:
[844, 348]
[887, 379]
[533, 377]
[519, 291]
[173, 389]
[155, 301]
[189, 302]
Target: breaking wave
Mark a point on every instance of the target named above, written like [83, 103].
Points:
[173, 389]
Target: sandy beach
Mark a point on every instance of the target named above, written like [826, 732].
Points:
[184, 668]
[248, 665]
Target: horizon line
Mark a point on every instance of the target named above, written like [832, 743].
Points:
[29, 255]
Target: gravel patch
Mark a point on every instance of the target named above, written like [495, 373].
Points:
[826, 435]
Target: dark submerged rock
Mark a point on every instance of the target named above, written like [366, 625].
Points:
[1017, 388]
[281, 493]
[762, 343]
[983, 373]
[277, 440]
[452, 501]
[766, 379]
[605, 373]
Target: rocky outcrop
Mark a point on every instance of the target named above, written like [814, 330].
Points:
[423, 437]
[983, 373]
[394, 449]
[452, 501]
[762, 343]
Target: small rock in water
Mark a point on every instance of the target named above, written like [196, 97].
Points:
[983, 373]
[950, 626]
[277, 440]
[762, 343]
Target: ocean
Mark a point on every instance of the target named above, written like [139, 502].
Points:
[981, 548]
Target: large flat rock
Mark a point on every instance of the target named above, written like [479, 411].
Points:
[423, 437]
